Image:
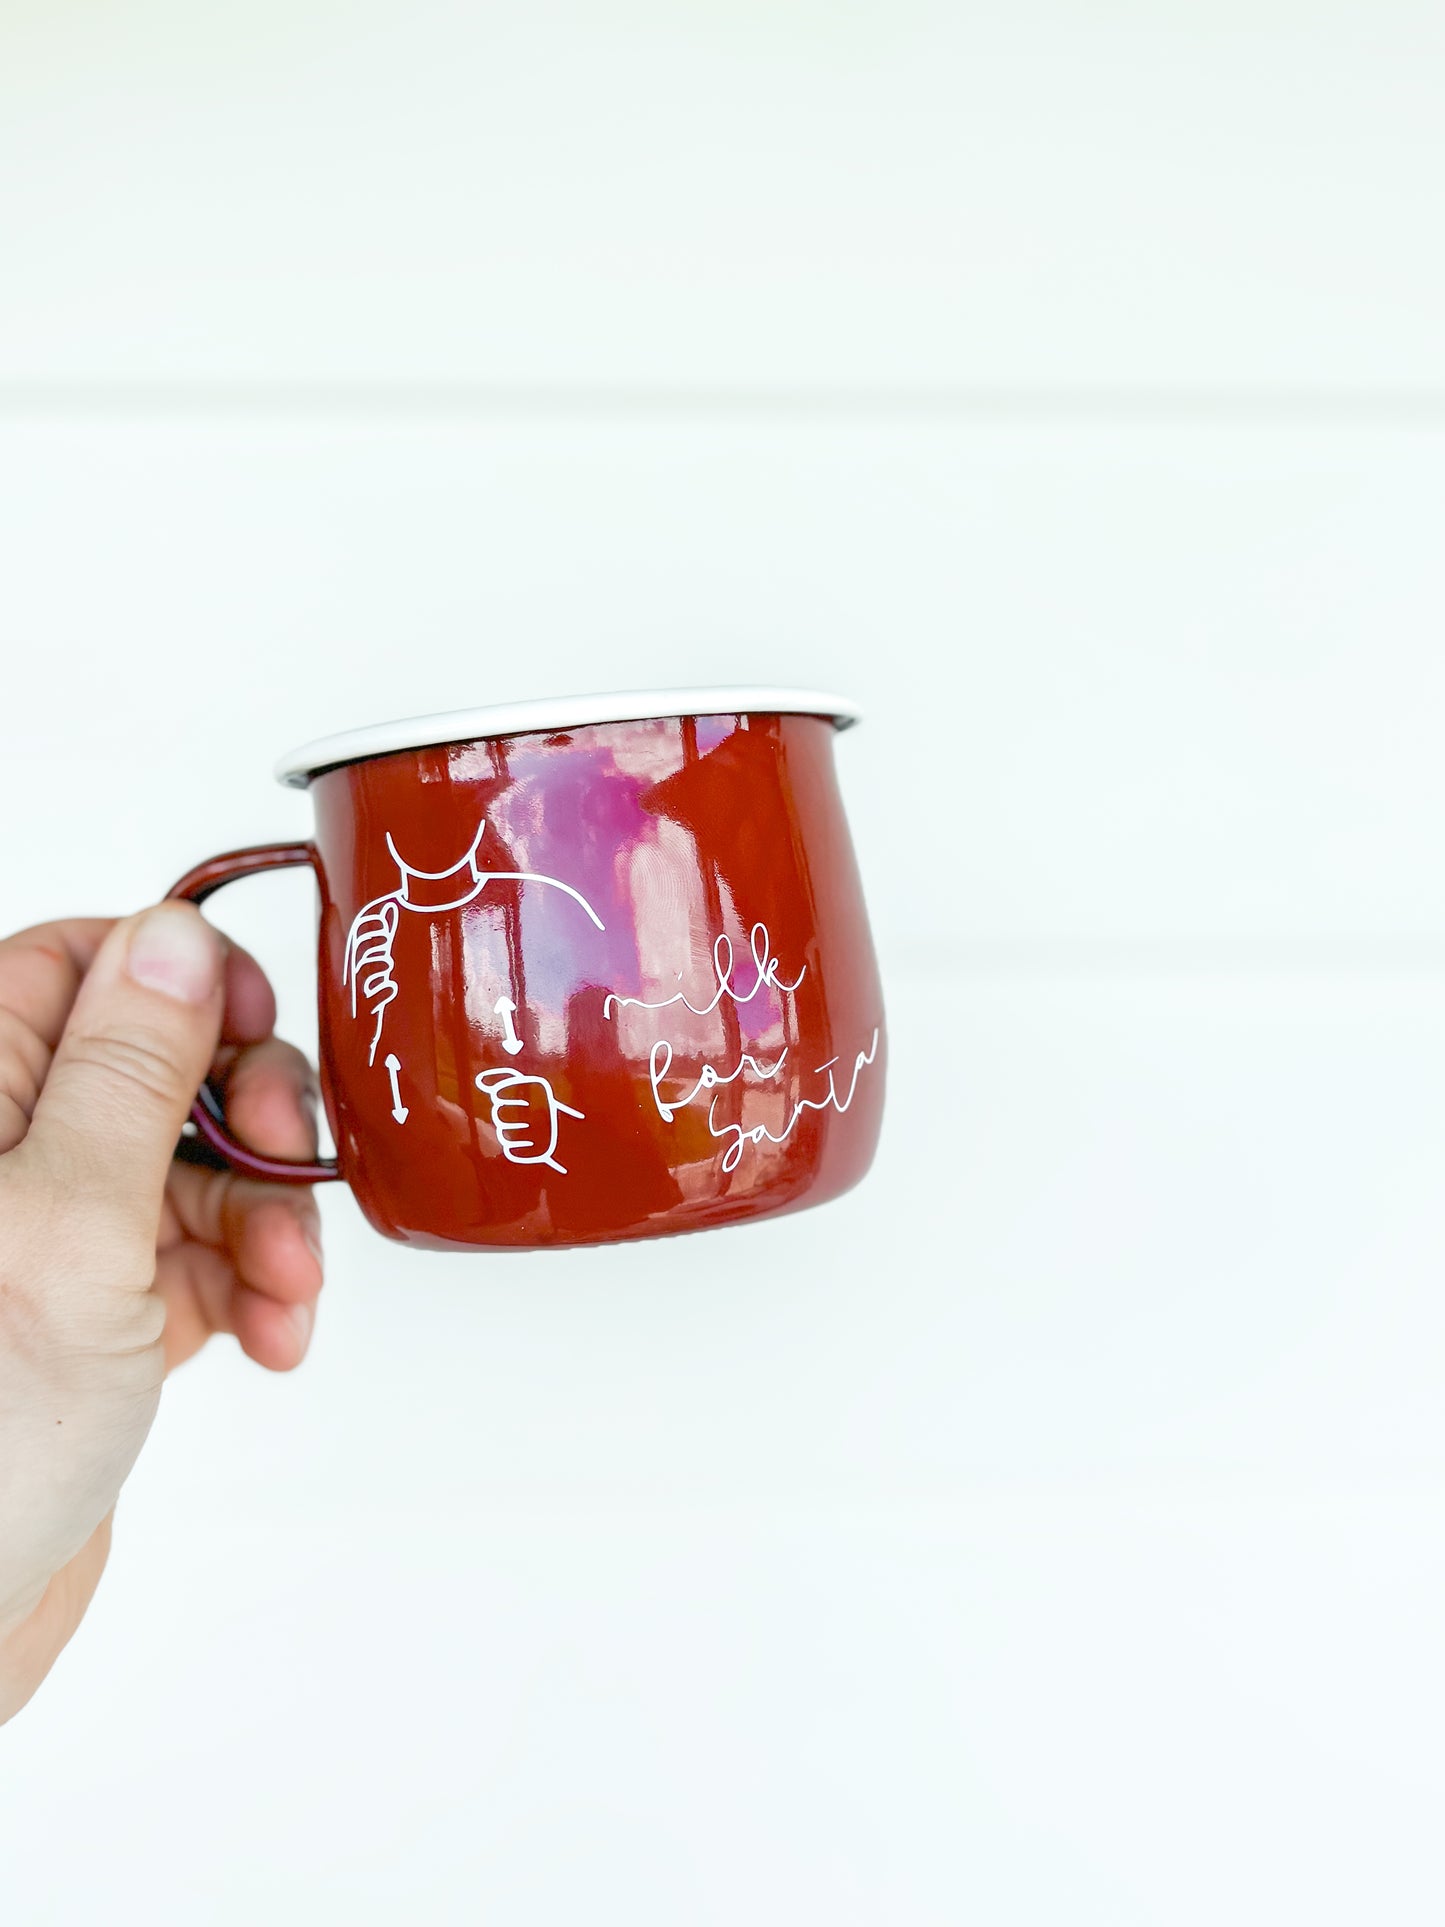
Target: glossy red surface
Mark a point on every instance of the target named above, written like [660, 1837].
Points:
[612, 983]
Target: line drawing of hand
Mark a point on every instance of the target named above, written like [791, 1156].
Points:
[368, 963]
[522, 1118]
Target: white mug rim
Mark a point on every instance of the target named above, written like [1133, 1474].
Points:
[298, 766]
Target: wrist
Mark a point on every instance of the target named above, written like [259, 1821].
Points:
[26, 1656]
[31, 1646]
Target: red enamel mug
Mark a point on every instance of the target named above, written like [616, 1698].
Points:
[589, 970]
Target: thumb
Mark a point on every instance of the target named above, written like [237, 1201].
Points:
[137, 1044]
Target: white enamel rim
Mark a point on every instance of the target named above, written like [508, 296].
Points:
[298, 766]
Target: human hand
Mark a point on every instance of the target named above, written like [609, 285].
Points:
[525, 1111]
[116, 1261]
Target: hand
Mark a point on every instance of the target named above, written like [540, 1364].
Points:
[116, 1262]
[525, 1110]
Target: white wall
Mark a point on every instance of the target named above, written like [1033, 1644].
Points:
[1053, 1529]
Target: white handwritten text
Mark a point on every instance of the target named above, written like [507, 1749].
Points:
[766, 967]
[659, 1066]
[739, 1139]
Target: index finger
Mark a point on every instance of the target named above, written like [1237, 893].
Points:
[41, 971]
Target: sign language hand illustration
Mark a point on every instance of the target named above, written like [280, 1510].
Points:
[368, 965]
[525, 1113]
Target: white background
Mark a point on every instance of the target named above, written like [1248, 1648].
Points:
[1053, 1531]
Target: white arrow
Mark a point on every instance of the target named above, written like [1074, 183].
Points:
[511, 1043]
[398, 1109]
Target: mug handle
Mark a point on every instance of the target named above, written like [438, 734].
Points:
[207, 1113]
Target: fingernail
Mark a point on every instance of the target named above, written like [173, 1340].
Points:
[312, 1234]
[173, 950]
[303, 1317]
